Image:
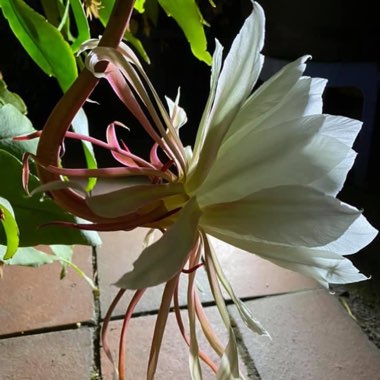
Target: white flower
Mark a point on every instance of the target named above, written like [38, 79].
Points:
[263, 176]
[264, 173]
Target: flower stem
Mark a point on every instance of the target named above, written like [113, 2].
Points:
[64, 112]
[159, 328]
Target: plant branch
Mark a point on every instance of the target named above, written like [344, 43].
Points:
[64, 112]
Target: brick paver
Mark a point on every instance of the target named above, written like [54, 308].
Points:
[63, 355]
[35, 298]
[313, 337]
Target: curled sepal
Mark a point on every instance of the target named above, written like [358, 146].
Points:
[112, 140]
[162, 260]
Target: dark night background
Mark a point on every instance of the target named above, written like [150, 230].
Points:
[332, 31]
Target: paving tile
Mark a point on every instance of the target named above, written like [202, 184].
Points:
[313, 338]
[64, 355]
[249, 275]
[34, 298]
[174, 354]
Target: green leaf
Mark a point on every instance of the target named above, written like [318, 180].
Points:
[81, 23]
[80, 125]
[9, 224]
[139, 6]
[189, 18]
[27, 256]
[63, 252]
[14, 123]
[34, 213]
[32, 257]
[7, 97]
[43, 42]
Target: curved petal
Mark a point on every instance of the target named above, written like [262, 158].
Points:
[289, 215]
[216, 66]
[345, 130]
[357, 236]
[127, 200]
[304, 99]
[163, 259]
[342, 128]
[177, 114]
[292, 153]
[332, 182]
[269, 94]
[324, 266]
[240, 72]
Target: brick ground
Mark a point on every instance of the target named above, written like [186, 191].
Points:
[314, 338]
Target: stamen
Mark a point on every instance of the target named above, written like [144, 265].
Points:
[30, 136]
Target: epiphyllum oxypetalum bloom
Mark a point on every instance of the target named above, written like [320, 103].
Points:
[263, 176]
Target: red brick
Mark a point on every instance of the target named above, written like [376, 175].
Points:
[34, 298]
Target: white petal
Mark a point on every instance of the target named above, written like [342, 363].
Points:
[345, 130]
[357, 236]
[162, 260]
[342, 128]
[305, 98]
[293, 153]
[325, 267]
[204, 124]
[177, 114]
[240, 71]
[332, 183]
[268, 96]
[124, 201]
[290, 215]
